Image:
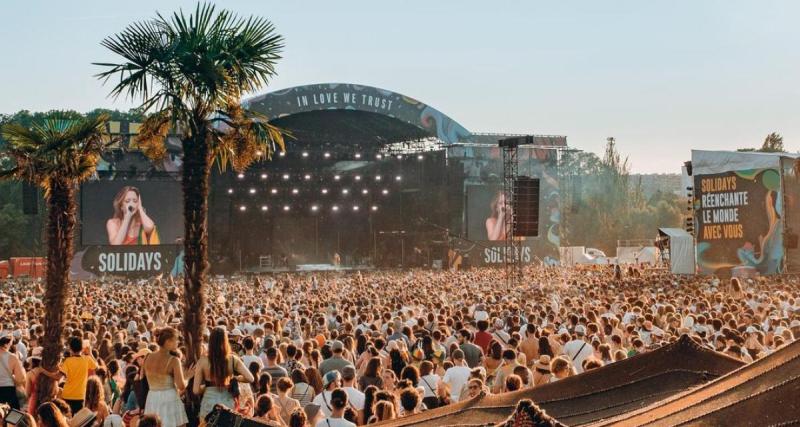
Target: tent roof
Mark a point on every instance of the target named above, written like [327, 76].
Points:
[602, 393]
[674, 232]
[764, 392]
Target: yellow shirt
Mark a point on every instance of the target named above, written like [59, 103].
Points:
[76, 369]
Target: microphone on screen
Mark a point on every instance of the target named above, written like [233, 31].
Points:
[130, 208]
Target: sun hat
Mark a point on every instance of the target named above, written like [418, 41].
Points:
[83, 418]
[543, 363]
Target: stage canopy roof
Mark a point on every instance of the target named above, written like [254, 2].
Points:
[599, 394]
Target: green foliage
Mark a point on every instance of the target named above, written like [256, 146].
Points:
[601, 205]
[773, 143]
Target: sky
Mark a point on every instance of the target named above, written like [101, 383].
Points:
[662, 77]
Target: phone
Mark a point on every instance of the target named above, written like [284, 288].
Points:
[14, 417]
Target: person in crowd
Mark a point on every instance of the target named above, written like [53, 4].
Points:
[355, 398]
[12, 374]
[284, 402]
[164, 373]
[76, 369]
[338, 404]
[214, 372]
[48, 415]
[266, 412]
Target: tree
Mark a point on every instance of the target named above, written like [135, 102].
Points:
[56, 154]
[190, 73]
[773, 143]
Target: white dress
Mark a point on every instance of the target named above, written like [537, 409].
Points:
[167, 405]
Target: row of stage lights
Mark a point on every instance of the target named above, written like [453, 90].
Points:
[356, 156]
[296, 191]
[312, 208]
[337, 177]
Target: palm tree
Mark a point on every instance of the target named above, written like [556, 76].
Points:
[57, 155]
[190, 73]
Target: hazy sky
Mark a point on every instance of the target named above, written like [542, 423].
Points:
[662, 77]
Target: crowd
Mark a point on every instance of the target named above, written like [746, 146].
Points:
[346, 349]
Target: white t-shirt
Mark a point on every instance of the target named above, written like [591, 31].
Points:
[429, 383]
[576, 354]
[324, 401]
[334, 422]
[355, 397]
[456, 377]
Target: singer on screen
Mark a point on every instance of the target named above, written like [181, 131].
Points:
[130, 224]
[498, 217]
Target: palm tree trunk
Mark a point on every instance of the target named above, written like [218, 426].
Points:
[60, 232]
[196, 169]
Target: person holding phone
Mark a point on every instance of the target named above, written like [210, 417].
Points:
[130, 224]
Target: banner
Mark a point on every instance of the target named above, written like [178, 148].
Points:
[738, 221]
[489, 253]
[128, 261]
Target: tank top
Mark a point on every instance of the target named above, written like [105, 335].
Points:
[6, 380]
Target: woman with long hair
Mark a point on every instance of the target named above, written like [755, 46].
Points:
[369, 400]
[48, 415]
[544, 347]
[315, 380]
[372, 374]
[214, 372]
[302, 391]
[164, 374]
[496, 221]
[95, 399]
[130, 224]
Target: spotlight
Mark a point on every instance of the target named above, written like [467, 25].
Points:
[259, 153]
[378, 156]
[252, 191]
[305, 153]
[355, 208]
[336, 177]
[345, 191]
[374, 208]
[399, 157]
[364, 191]
[324, 191]
[335, 208]
[263, 176]
[420, 157]
[377, 177]
[264, 208]
[274, 191]
[240, 176]
[314, 208]
[242, 208]
[385, 191]
[285, 176]
[358, 177]
[285, 208]
[295, 191]
[307, 177]
[398, 178]
[327, 155]
[282, 153]
[358, 155]
[230, 191]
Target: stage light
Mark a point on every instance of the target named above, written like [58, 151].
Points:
[378, 156]
[264, 208]
[314, 208]
[252, 191]
[335, 208]
[286, 208]
[240, 176]
[242, 208]
[399, 157]
[282, 153]
[385, 191]
[358, 155]
[377, 177]
[364, 191]
[263, 176]
[285, 176]
[345, 191]
[398, 178]
[259, 153]
[355, 208]
[305, 153]
[324, 191]
[336, 177]
[420, 157]
[274, 191]
[295, 191]
[374, 208]
[230, 191]
[327, 155]
[358, 177]
[307, 177]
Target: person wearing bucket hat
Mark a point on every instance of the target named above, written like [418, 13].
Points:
[330, 381]
[541, 371]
